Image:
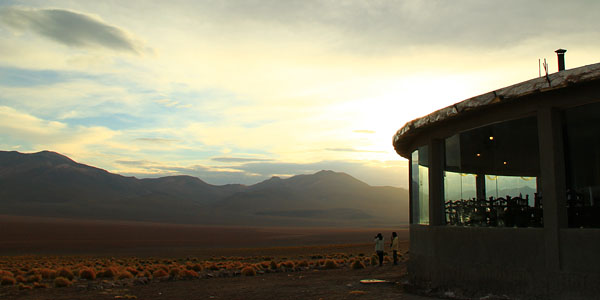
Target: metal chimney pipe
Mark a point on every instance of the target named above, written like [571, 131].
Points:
[561, 59]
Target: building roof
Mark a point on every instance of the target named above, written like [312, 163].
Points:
[538, 85]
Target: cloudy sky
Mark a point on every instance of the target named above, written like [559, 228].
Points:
[239, 91]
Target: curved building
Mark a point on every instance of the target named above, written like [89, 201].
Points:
[505, 189]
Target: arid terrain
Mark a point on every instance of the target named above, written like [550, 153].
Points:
[46, 258]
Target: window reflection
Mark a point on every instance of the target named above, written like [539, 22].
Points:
[582, 150]
[491, 174]
[420, 186]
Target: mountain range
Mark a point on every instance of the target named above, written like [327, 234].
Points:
[50, 184]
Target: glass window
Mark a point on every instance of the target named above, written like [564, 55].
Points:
[420, 186]
[491, 174]
[582, 151]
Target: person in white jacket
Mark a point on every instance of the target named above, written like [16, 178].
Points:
[394, 247]
[379, 247]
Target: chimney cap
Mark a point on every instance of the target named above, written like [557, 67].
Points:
[560, 51]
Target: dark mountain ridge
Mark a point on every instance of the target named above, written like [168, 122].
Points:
[50, 184]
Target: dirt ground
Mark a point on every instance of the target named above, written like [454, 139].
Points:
[37, 240]
[310, 284]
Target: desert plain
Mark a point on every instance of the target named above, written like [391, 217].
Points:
[53, 258]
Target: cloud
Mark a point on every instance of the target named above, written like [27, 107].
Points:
[364, 131]
[70, 28]
[156, 140]
[137, 163]
[35, 134]
[353, 150]
[167, 102]
[384, 26]
[238, 159]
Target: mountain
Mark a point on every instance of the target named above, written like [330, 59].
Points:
[50, 184]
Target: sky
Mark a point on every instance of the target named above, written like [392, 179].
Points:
[239, 91]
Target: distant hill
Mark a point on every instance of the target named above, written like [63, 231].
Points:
[50, 184]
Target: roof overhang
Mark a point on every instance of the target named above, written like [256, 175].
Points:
[543, 84]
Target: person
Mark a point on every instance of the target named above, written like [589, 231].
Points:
[394, 246]
[379, 247]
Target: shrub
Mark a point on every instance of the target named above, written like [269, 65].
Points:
[6, 273]
[48, 273]
[62, 282]
[34, 278]
[109, 272]
[145, 273]
[38, 285]
[161, 266]
[189, 274]
[21, 278]
[124, 275]
[303, 263]
[65, 272]
[374, 260]
[213, 267]
[7, 280]
[174, 272]
[87, 273]
[132, 270]
[160, 273]
[248, 271]
[330, 264]
[25, 287]
[357, 264]
[288, 264]
[197, 267]
[273, 265]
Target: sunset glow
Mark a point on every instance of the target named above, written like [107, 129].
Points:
[239, 91]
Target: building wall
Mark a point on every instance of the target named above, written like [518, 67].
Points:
[554, 262]
[475, 258]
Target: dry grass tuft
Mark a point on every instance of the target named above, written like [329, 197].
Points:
[160, 273]
[132, 270]
[357, 264]
[65, 272]
[7, 280]
[145, 273]
[357, 292]
[87, 273]
[197, 267]
[248, 271]
[303, 263]
[189, 274]
[175, 272]
[62, 282]
[330, 264]
[124, 275]
[374, 260]
[38, 285]
[48, 273]
[34, 278]
[109, 272]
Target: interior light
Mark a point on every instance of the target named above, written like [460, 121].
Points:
[478, 154]
[491, 138]
[505, 163]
